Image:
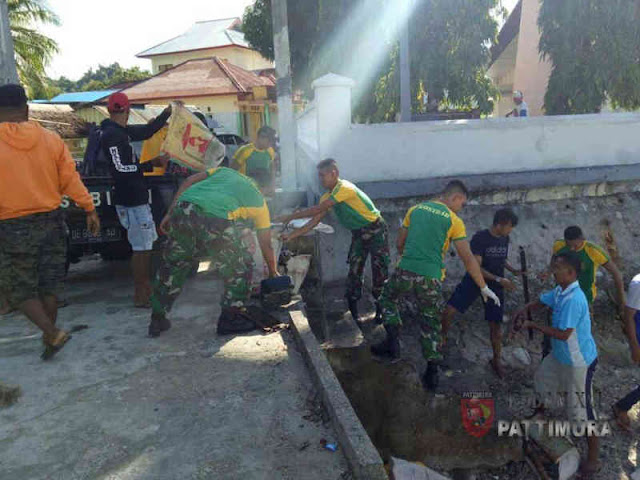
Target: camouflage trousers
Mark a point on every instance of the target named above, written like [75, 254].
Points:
[194, 235]
[370, 240]
[33, 255]
[425, 294]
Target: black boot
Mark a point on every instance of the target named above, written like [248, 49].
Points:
[235, 320]
[353, 308]
[390, 347]
[430, 377]
[159, 323]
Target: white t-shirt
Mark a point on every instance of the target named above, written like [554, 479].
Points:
[523, 109]
[633, 297]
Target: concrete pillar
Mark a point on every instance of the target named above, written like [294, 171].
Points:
[8, 72]
[333, 107]
[405, 72]
[286, 120]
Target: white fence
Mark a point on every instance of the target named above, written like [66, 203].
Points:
[410, 151]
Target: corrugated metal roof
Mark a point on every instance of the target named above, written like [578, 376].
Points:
[202, 35]
[196, 78]
[82, 97]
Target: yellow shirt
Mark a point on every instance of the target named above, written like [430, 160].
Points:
[353, 207]
[591, 257]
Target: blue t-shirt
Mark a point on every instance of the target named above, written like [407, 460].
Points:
[571, 310]
[493, 250]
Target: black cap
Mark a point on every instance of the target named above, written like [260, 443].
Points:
[12, 96]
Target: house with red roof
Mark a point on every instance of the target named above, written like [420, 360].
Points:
[212, 67]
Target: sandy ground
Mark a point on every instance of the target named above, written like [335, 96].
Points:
[115, 404]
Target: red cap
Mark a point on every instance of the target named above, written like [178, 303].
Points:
[118, 103]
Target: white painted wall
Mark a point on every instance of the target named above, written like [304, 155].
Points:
[408, 151]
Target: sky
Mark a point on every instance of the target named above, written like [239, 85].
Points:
[95, 32]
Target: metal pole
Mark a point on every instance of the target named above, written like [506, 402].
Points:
[405, 72]
[286, 119]
[8, 72]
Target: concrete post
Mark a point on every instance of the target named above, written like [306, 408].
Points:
[405, 72]
[286, 119]
[333, 106]
[8, 72]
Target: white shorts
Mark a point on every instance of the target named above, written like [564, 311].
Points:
[566, 386]
[138, 222]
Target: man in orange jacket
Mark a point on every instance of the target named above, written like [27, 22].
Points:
[36, 170]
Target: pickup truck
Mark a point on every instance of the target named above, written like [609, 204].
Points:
[112, 244]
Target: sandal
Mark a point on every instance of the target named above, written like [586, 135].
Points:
[624, 423]
[53, 347]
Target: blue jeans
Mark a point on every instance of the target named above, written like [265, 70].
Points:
[138, 222]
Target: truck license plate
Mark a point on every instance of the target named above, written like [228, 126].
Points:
[108, 234]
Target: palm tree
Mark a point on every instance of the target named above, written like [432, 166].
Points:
[33, 50]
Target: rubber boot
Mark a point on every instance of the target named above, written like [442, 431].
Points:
[353, 308]
[159, 323]
[430, 377]
[390, 347]
[141, 268]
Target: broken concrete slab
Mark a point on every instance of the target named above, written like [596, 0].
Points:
[562, 453]
[403, 470]
[361, 454]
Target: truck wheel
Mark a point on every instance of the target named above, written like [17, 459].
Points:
[116, 251]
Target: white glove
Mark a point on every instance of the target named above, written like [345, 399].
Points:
[487, 293]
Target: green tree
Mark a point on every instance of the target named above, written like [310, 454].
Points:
[449, 58]
[449, 44]
[101, 78]
[594, 47]
[33, 50]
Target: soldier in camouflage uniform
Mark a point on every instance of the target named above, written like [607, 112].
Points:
[424, 239]
[369, 231]
[202, 223]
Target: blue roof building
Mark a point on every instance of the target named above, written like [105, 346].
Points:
[82, 97]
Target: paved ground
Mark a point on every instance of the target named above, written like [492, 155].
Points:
[190, 405]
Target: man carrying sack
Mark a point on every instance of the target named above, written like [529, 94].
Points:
[131, 191]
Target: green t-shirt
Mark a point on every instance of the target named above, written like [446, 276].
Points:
[230, 195]
[353, 207]
[591, 257]
[432, 226]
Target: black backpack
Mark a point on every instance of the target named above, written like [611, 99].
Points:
[95, 162]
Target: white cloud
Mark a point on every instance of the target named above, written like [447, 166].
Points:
[95, 32]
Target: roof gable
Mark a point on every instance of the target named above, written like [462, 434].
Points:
[201, 36]
[195, 78]
[509, 31]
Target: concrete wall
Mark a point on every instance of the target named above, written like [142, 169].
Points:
[242, 57]
[421, 150]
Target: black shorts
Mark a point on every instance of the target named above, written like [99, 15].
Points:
[468, 292]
